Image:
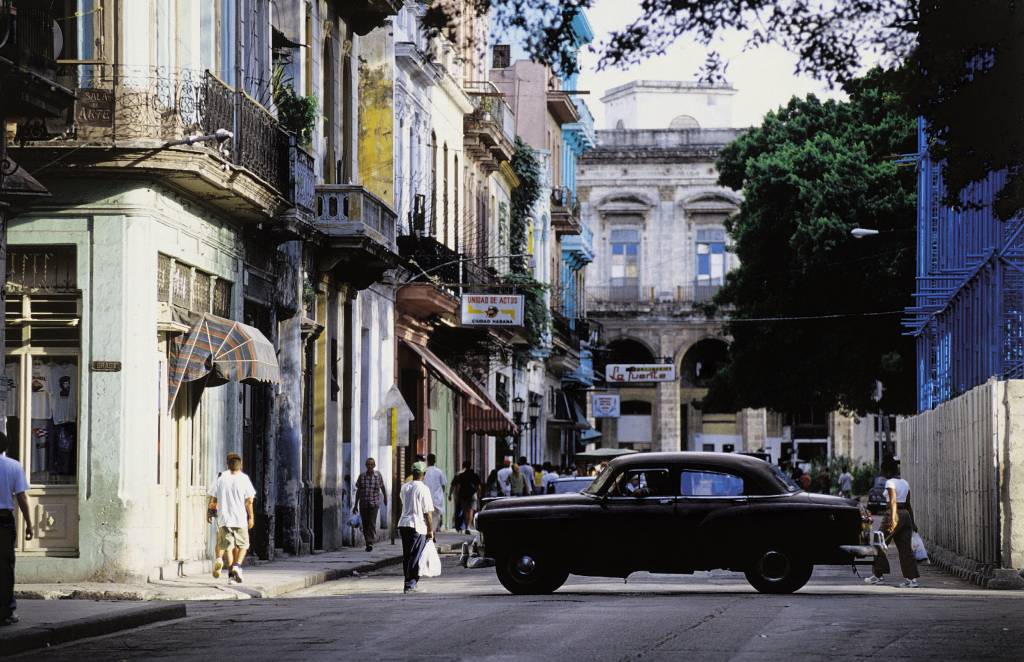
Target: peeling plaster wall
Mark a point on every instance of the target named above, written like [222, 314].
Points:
[376, 114]
[126, 518]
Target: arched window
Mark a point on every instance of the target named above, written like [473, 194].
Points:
[433, 183]
[684, 122]
[458, 239]
[620, 125]
[702, 361]
[329, 118]
[444, 198]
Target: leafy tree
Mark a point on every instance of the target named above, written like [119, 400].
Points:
[965, 58]
[809, 174]
[527, 168]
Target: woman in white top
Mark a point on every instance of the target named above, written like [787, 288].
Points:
[898, 526]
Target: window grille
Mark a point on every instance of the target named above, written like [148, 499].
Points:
[221, 304]
[200, 291]
[180, 278]
[163, 278]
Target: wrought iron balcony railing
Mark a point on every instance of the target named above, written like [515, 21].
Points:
[128, 106]
[346, 210]
[490, 129]
[438, 263]
[623, 297]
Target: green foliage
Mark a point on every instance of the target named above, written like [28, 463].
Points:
[527, 168]
[965, 58]
[295, 112]
[809, 174]
[538, 317]
[863, 474]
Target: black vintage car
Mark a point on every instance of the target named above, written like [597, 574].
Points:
[674, 513]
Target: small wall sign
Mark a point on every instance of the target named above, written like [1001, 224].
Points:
[105, 366]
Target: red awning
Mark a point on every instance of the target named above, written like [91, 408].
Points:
[447, 374]
[494, 421]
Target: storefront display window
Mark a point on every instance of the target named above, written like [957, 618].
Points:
[42, 363]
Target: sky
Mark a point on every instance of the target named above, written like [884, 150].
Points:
[764, 78]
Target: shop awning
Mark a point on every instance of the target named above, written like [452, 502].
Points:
[446, 374]
[569, 413]
[221, 350]
[492, 421]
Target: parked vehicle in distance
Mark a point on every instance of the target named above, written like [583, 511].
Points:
[571, 484]
[674, 513]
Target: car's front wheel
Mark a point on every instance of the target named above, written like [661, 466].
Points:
[527, 572]
[778, 570]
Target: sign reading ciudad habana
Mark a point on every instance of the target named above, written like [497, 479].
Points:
[492, 310]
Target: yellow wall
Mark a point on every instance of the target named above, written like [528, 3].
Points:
[376, 115]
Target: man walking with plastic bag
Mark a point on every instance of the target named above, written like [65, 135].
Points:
[898, 525]
[416, 525]
[371, 495]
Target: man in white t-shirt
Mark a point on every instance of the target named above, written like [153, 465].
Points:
[231, 497]
[415, 525]
[504, 475]
[13, 487]
[548, 476]
[437, 483]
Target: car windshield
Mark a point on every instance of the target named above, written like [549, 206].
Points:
[784, 481]
[601, 481]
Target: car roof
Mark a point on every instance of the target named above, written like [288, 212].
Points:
[721, 460]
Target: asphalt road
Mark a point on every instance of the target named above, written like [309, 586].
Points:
[467, 614]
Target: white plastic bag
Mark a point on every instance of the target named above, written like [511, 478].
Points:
[430, 561]
[355, 521]
[916, 544]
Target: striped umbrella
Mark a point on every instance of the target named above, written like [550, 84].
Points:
[222, 350]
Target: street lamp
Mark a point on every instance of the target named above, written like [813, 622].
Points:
[518, 408]
[860, 233]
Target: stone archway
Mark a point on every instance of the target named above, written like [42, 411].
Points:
[700, 429]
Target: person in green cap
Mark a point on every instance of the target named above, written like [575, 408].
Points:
[416, 524]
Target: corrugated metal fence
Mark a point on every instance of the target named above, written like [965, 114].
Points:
[950, 458]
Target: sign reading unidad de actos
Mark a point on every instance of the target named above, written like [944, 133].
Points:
[604, 405]
[629, 373]
[492, 310]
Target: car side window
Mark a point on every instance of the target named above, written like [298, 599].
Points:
[693, 483]
[640, 483]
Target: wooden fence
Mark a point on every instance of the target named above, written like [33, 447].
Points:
[950, 457]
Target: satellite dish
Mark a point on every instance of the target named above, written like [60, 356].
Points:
[58, 41]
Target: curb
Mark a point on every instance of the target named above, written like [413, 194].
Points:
[322, 577]
[44, 636]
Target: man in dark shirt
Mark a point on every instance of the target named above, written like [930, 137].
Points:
[370, 496]
[464, 490]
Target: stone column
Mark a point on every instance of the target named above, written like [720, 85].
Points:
[289, 404]
[753, 428]
[668, 438]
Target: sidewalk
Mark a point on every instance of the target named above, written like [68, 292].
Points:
[263, 579]
[53, 614]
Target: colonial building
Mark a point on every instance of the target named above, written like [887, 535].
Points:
[649, 192]
[186, 207]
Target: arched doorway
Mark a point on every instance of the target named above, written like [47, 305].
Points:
[700, 429]
[635, 426]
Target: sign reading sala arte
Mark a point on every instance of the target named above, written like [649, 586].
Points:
[605, 405]
[630, 373]
[492, 309]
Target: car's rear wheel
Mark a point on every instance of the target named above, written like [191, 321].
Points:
[778, 570]
[528, 572]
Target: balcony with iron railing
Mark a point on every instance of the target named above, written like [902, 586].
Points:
[565, 211]
[635, 297]
[350, 211]
[359, 233]
[160, 119]
[490, 130]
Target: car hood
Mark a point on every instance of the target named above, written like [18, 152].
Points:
[512, 503]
